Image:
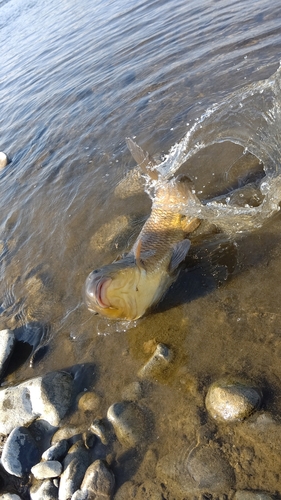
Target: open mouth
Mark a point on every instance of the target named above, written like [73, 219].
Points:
[100, 292]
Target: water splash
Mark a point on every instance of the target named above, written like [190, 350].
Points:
[251, 118]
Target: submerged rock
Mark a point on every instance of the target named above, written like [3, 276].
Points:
[7, 343]
[20, 452]
[57, 451]
[4, 160]
[75, 465]
[88, 401]
[158, 362]
[129, 422]
[44, 491]
[46, 397]
[101, 429]
[231, 401]
[98, 482]
[47, 469]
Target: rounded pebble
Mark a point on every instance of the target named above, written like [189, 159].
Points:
[252, 495]
[75, 465]
[232, 401]
[129, 422]
[100, 428]
[44, 491]
[20, 452]
[47, 469]
[57, 451]
[158, 362]
[88, 401]
[4, 160]
[9, 496]
[7, 343]
[98, 481]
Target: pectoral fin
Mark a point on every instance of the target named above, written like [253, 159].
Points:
[179, 254]
[143, 159]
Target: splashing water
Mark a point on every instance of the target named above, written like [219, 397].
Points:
[251, 118]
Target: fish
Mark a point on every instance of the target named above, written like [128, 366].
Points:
[132, 285]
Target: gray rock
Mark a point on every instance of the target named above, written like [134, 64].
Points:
[158, 362]
[46, 397]
[100, 428]
[57, 451]
[129, 422]
[47, 469]
[71, 433]
[9, 496]
[20, 452]
[79, 495]
[133, 392]
[7, 343]
[252, 495]
[231, 401]
[44, 491]
[75, 465]
[98, 481]
[51, 399]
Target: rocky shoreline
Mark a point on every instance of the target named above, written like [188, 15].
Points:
[46, 457]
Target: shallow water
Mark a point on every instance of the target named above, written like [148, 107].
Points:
[76, 79]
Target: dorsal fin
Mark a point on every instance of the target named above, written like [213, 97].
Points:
[143, 159]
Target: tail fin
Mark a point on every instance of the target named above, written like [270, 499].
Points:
[143, 159]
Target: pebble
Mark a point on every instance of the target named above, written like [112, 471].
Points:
[75, 465]
[133, 392]
[44, 491]
[100, 428]
[4, 160]
[71, 433]
[129, 422]
[20, 452]
[7, 343]
[57, 451]
[131, 185]
[252, 495]
[88, 401]
[47, 397]
[98, 482]
[158, 362]
[47, 469]
[232, 401]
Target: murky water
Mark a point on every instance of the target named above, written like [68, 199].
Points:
[76, 79]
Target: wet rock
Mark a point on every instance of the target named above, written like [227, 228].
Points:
[131, 185]
[88, 401]
[71, 433]
[4, 160]
[7, 343]
[98, 482]
[101, 429]
[57, 451]
[88, 439]
[46, 397]
[210, 469]
[129, 422]
[111, 234]
[52, 397]
[158, 362]
[252, 495]
[232, 401]
[45, 490]
[20, 452]
[133, 392]
[75, 465]
[9, 496]
[191, 472]
[47, 469]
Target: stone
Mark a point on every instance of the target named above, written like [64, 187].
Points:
[75, 465]
[158, 362]
[129, 423]
[252, 495]
[88, 401]
[20, 452]
[132, 392]
[98, 481]
[48, 397]
[57, 451]
[4, 160]
[71, 433]
[46, 490]
[100, 428]
[232, 401]
[47, 469]
[9, 496]
[132, 184]
[52, 397]
[7, 343]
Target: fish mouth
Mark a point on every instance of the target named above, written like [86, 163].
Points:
[95, 292]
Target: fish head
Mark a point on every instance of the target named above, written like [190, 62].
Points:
[118, 291]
